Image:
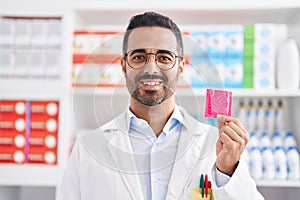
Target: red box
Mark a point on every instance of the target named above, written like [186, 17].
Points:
[42, 155]
[12, 131]
[44, 139]
[12, 154]
[43, 132]
[44, 108]
[29, 136]
[13, 107]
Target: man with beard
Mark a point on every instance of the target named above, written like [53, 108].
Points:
[155, 150]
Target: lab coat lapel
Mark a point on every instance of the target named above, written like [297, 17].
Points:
[193, 146]
[121, 152]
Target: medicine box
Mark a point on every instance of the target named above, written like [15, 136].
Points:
[54, 32]
[28, 131]
[6, 62]
[42, 155]
[22, 32]
[43, 132]
[6, 31]
[12, 131]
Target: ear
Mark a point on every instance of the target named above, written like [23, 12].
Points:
[181, 66]
[123, 64]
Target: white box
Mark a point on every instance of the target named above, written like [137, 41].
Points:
[264, 81]
[6, 31]
[53, 63]
[235, 43]
[264, 73]
[22, 31]
[86, 43]
[216, 44]
[39, 32]
[6, 63]
[220, 66]
[234, 73]
[194, 77]
[264, 31]
[37, 63]
[201, 40]
[269, 31]
[111, 74]
[264, 48]
[111, 44]
[264, 65]
[21, 65]
[87, 74]
[54, 32]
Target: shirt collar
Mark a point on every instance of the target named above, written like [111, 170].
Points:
[176, 117]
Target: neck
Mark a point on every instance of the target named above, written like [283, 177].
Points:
[156, 116]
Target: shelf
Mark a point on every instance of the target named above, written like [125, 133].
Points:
[29, 175]
[96, 58]
[102, 16]
[31, 88]
[191, 12]
[242, 92]
[277, 183]
[186, 92]
[188, 4]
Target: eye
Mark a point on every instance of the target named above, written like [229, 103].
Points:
[165, 58]
[138, 57]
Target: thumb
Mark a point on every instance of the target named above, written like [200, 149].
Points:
[220, 120]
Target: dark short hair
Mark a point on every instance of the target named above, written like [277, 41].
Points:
[153, 19]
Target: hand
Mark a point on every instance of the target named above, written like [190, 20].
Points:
[232, 141]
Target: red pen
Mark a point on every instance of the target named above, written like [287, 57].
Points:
[206, 185]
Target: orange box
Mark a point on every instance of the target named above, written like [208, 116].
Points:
[28, 135]
[44, 124]
[13, 131]
[43, 139]
[12, 154]
[44, 108]
[13, 107]
[42, 155]
[10, 123]
[12, 138]
[13, 115]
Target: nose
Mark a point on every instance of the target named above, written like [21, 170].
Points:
[151, 67]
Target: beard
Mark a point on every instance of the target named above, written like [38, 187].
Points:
[151, 97]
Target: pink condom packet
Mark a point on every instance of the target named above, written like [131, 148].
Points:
[218, 102]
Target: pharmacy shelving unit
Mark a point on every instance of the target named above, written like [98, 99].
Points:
[189, 14]
[41, 89]
[85, 105]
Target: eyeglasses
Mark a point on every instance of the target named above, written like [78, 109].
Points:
[138, 58]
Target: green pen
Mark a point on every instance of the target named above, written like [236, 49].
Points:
[202, 185]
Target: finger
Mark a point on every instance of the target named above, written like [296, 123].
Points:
[226, 119]
[232, 134]
[238, 130]
[225, 139]
[221, 120]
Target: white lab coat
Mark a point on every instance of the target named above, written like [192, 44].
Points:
[101, 166]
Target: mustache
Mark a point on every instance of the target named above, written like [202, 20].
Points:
[151, 76]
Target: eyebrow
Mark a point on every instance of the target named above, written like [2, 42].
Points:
[163, 51]
[137, 51]
[144, 51]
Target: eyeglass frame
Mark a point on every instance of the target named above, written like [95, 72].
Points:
[155, 54]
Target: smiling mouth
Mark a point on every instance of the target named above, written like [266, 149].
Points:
[151, 83]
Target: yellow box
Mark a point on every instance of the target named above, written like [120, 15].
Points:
[196, 194]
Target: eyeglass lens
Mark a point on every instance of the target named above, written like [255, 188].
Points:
[163, 58]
